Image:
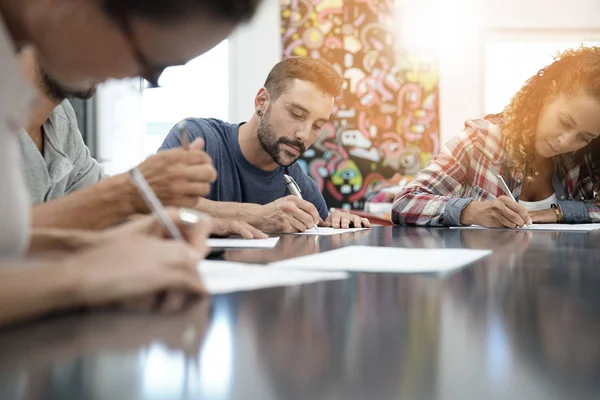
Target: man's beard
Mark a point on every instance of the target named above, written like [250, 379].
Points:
[57, 92]
[271, 144]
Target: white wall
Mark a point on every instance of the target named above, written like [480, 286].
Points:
[120, 129]
[253, 50]
[461, 58]
[256, 47]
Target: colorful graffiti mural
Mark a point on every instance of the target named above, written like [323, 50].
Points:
[386, 121]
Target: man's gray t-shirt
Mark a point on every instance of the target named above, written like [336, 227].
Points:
[66, 165]
[237, 179]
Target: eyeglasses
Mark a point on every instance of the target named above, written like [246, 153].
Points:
[150, 70]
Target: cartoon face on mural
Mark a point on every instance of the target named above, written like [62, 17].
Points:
[386, 120]
[347, 178]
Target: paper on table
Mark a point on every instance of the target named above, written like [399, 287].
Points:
[328, 231]
[386, 259]
[542, 227]
[244, 243]
[227, 277]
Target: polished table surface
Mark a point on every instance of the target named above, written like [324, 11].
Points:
[523, 323]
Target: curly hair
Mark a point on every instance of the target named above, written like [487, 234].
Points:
[573, 71]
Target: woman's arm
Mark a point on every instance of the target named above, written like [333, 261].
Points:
[431, 199]
[580, 212]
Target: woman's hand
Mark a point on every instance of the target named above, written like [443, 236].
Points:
[543, 217]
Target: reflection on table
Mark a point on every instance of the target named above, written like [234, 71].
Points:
[521, 323]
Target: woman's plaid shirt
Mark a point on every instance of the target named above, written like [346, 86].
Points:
[467, 168]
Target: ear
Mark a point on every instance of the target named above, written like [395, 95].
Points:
[262, 101]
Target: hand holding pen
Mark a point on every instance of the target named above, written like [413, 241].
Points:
[186, 226]
[178, 176]
[502, 212]
[508, 193]
[185, 215]
[295, 190]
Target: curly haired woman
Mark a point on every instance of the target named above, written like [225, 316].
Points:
[543, 146]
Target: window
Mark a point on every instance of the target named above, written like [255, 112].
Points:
[132, 122]
[511, 57]
[198, 89]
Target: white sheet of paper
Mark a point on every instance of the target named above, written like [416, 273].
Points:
[329, 231]
[244, 243]
[542, 227]
[386, 259]
[227, 277]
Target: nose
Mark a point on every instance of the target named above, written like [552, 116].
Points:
[561, 140]
[303, 133]
[568, 140]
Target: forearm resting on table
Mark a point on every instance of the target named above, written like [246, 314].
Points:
[104, 204]
[245, 212]
[419, 207]
[29, 289]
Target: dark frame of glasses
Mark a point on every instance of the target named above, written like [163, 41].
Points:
[150, 71]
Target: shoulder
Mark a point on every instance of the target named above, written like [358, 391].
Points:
[213, 131]
[207, 126]
[64, 112]
[481, 136]
[65, 136]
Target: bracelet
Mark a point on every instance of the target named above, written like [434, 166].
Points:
[559, 215]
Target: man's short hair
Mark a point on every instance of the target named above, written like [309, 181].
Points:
[314, 70]
[234, 11]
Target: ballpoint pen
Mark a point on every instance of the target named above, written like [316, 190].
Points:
[155, 205]
[183, 135]
[294, 189]
[507, 191]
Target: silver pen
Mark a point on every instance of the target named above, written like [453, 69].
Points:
[294, 189]
[507, 191]
[183, 135]
[155, 205]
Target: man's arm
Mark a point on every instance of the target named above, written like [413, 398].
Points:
[177, 176]
[246, 212]
[99, 206]
[286, 215]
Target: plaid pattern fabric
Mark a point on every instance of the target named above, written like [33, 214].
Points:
[467, 169]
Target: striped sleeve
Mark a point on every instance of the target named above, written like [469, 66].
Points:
[593, 210]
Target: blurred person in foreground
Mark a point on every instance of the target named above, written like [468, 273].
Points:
[81, 43]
